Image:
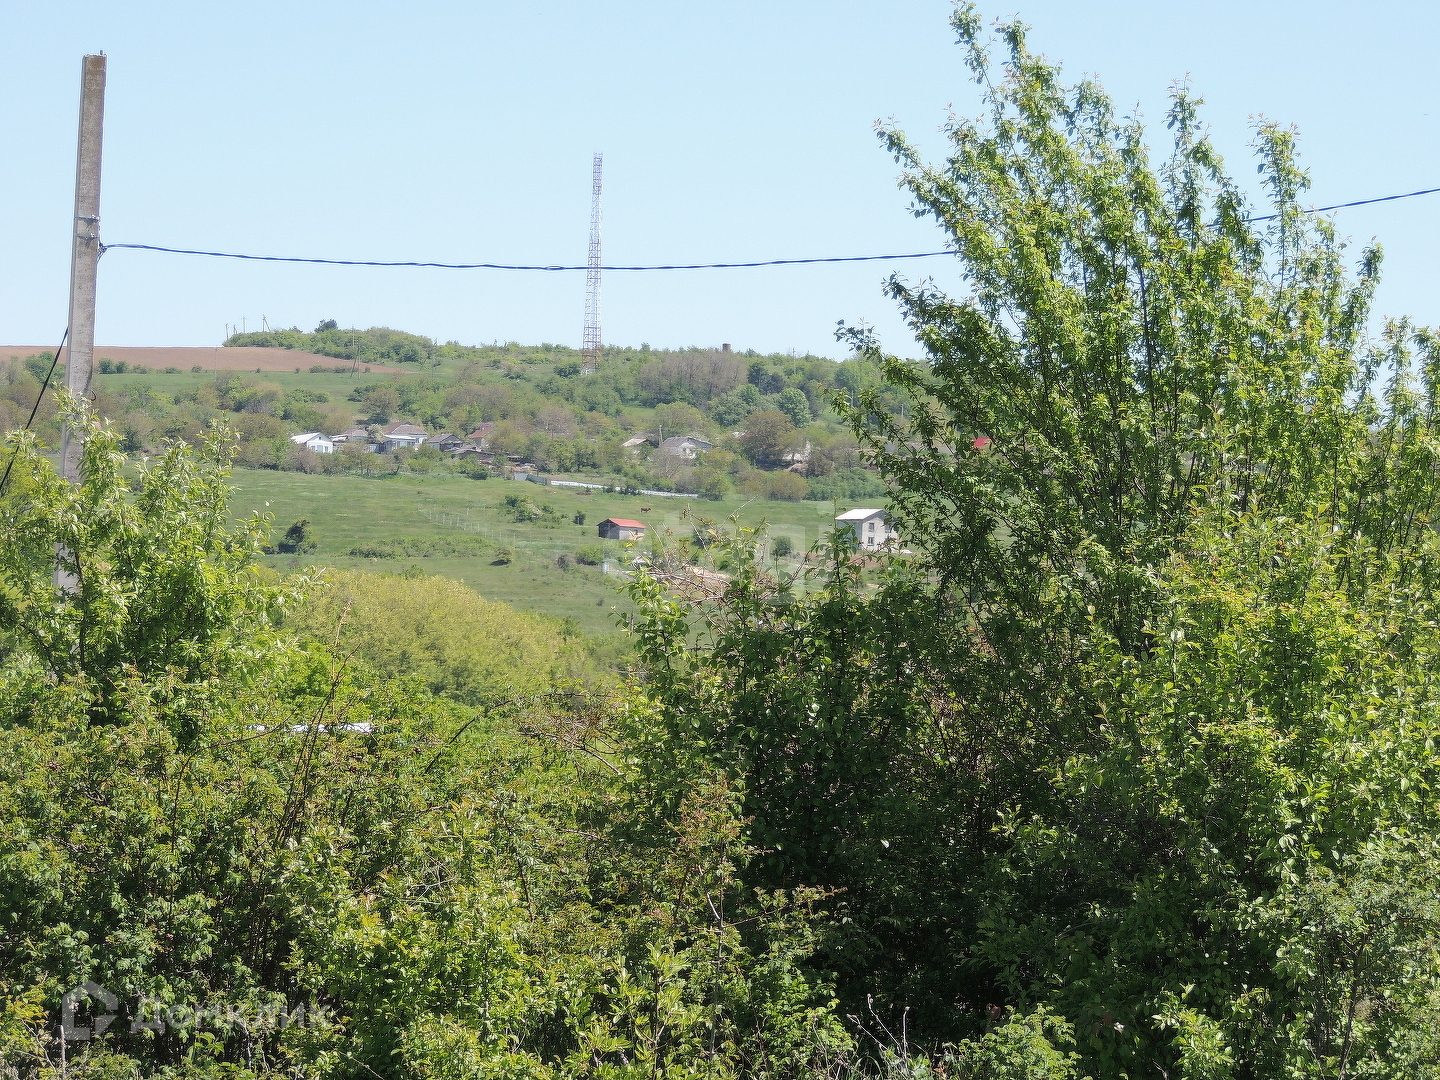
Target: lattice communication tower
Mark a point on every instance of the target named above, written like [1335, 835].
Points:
[592, 347]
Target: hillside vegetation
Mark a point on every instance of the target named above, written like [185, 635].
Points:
[437, 631]
[771, 418]
[1126, 768]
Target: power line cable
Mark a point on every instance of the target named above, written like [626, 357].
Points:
[663, 266]
[54, 360]
[508, 266]
[1361, 202]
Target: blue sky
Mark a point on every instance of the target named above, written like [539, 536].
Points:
[463, 132]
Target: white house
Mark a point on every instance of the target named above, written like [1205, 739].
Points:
[313, 440]
[686, 446]
[404, 436]
[872, 528]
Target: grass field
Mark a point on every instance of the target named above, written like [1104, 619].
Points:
[338, 386]
[349, 511]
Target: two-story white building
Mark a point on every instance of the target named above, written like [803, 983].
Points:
[872, 528]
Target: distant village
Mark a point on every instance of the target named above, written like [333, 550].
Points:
[872, 527]
[402, 435]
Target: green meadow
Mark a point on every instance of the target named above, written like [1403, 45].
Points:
[337, 384]
[350, 512]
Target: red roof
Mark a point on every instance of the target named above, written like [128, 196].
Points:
[625, 523]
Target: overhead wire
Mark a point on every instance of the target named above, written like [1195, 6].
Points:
[509, 266]
[1359, 202]
[517, 266]
[658, 266]
[54, 360]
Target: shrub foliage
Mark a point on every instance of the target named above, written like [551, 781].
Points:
[1143, 733]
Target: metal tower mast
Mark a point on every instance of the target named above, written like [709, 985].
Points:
[592, 348]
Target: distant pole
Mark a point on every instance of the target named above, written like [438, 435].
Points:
[591, 348]
[84, 253]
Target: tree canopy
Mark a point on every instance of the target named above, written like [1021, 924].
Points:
[1141, 735]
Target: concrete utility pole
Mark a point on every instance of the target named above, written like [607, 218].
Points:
[84, 253]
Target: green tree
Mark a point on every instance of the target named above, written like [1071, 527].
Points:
[733, 406]
[460, 645]
[768, 436]
[712, 483]
[383, 403]
[793, 403]
[187, 600]
[1138, 734]
[679, 418]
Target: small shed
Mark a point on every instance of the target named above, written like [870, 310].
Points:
[621, 529]
[445, 442]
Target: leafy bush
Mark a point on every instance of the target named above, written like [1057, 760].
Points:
[848, 485]
[436, 629]
[183, 601]
[412, 547]
[782, 485]
[228, 828]
[1140, 733]
[373, 551]
[590, 554]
